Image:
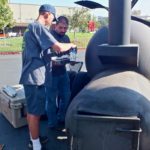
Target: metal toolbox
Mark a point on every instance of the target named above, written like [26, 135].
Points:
[106, 132]
[13, 105]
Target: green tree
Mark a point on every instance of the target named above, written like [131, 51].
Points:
[83, 22]
[79, 20]
[6, 17]
[97, 22]
[3, 2]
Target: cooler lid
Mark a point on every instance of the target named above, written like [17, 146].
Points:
[14, 94]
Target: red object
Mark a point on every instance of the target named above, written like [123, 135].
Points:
[91, 26]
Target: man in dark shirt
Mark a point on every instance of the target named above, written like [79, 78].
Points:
[60, 81]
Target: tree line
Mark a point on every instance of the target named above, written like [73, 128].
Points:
[6, 15]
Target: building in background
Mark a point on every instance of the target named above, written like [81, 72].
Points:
[24, 14]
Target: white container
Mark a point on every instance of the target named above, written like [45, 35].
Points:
[14, 107]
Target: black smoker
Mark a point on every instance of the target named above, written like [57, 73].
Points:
[113, 111]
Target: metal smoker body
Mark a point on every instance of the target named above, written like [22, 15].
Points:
[112, 112]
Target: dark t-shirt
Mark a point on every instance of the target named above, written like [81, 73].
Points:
[61, 69]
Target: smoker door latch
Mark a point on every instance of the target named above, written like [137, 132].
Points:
[129, 130]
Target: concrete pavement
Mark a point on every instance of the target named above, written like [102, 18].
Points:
[10, 69]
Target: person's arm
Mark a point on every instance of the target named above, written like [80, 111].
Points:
[61, 47]
[46, 39]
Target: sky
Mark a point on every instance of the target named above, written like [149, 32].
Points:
[143, 5]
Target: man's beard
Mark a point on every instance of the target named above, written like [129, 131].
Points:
[61, 34]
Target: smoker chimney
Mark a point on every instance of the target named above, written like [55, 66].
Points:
[119, 51]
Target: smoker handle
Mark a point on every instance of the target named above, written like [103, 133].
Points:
[128, 130]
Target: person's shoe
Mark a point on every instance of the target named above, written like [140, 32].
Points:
[64, 130]
[43, 140]
[57, 128]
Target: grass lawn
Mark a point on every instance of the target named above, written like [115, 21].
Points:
[81, 39]
[14, 44]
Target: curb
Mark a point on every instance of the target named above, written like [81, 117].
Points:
[15, 53]
[9, 53]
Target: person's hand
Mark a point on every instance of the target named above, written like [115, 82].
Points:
[73, 46]
[61, 47]
[57, 51]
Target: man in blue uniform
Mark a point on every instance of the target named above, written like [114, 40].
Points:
[37, 39]
[60, 81]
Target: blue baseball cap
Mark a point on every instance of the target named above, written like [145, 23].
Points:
[48, 8]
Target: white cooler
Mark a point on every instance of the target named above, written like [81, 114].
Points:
[13, 105]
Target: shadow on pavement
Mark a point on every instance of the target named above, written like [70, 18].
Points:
[17, 139]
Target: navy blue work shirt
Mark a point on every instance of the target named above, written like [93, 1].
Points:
[36, 39]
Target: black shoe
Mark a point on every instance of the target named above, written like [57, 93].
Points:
[57, 128]
[43, 140]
